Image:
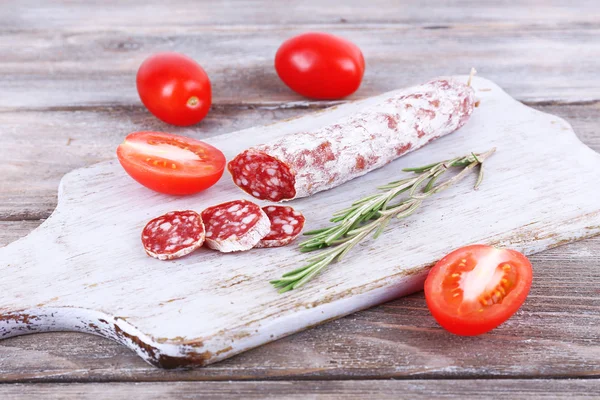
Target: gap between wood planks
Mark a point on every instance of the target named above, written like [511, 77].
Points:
[340, 390]
[292, 105]
[375, 26]
[176, 376]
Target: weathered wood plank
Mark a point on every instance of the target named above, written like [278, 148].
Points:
[45, 145]
[555, 334]
[13, 230]
[19, 15]
[330, 390]
[98, 67]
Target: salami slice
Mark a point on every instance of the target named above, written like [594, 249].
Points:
[286, 225]
[235, 226]
[302, 163]
[173, 235]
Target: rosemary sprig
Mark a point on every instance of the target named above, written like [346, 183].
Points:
[373, 213]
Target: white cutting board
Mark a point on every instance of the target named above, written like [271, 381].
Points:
[84, 269]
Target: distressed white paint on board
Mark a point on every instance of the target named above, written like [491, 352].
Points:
[85, 269]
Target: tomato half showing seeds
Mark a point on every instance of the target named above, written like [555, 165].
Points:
[174, 88]
[476, 288]
[320, 66]
[171, 164]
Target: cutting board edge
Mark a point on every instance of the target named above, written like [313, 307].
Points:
[177, 353]
[82, 320]
[579, 228]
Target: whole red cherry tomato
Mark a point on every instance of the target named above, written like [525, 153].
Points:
[174, 88]
[320, 65]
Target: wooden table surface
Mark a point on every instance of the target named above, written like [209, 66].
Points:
[68, 97]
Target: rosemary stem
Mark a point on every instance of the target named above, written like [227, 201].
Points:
[373, 213]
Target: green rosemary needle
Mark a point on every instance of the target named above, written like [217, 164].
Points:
[373, 213]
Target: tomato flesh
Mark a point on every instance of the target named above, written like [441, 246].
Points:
[171, 164]
[476, 288]
[320, 66]
[174, 88]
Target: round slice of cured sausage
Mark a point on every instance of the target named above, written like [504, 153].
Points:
[286, 225]
[173, 235]
[235, 226]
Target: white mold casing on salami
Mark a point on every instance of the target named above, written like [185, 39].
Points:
[235, 226]
[303, 163]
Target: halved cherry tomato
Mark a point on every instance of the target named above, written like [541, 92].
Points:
[320, 65]
[174, 88]
[476, 288]
[169, 163]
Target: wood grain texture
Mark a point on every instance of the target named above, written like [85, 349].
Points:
[227, 310]
[13, 230]
[330, 390]
[90, 68]
[86, 55]
[31, 15]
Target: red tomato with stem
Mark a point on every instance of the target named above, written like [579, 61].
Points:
[320, 65]
[174, 88]
[171, 164]
[476, 288]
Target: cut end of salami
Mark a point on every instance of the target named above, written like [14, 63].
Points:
[235, 226]
[262, 176]
[173, 235]
[286, 225]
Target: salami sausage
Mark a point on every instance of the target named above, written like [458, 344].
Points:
[173, 235]
[235, 226]
[302, 163]
[286, 225]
